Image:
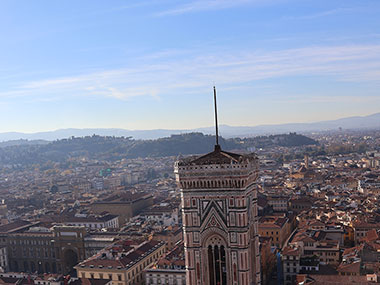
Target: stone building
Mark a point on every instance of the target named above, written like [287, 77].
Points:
[170, 269]
[124, 205]
[106, 221]
[276, 227]
[219, 206]
[279, 203]
[122, 263]
[291, 256]
[30, 247]
[171, 237]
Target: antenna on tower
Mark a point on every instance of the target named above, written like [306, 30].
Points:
[217, 146]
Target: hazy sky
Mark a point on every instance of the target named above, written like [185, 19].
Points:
[148, 64]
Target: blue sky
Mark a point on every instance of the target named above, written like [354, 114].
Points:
[151, 64]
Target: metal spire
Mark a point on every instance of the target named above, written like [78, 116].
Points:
[216, 122]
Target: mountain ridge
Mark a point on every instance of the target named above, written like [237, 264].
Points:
[106, 148]
[355, 122]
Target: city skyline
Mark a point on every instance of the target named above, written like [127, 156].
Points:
[152, 64]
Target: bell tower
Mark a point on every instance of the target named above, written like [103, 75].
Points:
[219, 207]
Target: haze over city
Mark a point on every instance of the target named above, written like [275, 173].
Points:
[189, 142]
[152, 64]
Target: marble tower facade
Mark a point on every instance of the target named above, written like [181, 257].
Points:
[219, 208]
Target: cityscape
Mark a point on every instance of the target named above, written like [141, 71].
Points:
[314, 205]
[189, 142]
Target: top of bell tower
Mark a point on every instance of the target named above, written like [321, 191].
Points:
[218, 156]
[238, 170]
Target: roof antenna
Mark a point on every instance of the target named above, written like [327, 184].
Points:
[217, 146]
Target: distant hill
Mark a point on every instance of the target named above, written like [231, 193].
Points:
[115, 148]
[288, 140]
[351, 123]
[22, 142]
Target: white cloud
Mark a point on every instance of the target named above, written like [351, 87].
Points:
[190, 73]
[205, 5]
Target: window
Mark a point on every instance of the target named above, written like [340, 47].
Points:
[119, 277]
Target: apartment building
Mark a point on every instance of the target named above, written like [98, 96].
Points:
[123, 262]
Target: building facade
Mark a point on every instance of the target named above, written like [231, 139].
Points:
[219, 207]
[30, 248]
[275, 227]
[107, 221]
[124, 205]
[170, 276]
[170, 269]
[122, 263]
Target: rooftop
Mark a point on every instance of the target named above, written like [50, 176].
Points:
[218, 156]
[122, 254]
[14, 226]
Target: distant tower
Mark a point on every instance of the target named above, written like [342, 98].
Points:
[306, 161]
[219, 206]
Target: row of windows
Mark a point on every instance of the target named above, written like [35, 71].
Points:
[272, 233]
[320, 253]
[32, 266]
[210, 167]
[166, 281]
[299, 207]
[290, 257]
[33, 252]
[37, 253]
[29, 242]
[109, 224]
[101, 276]
[348, 273]
[331, 253]
[213, 183]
